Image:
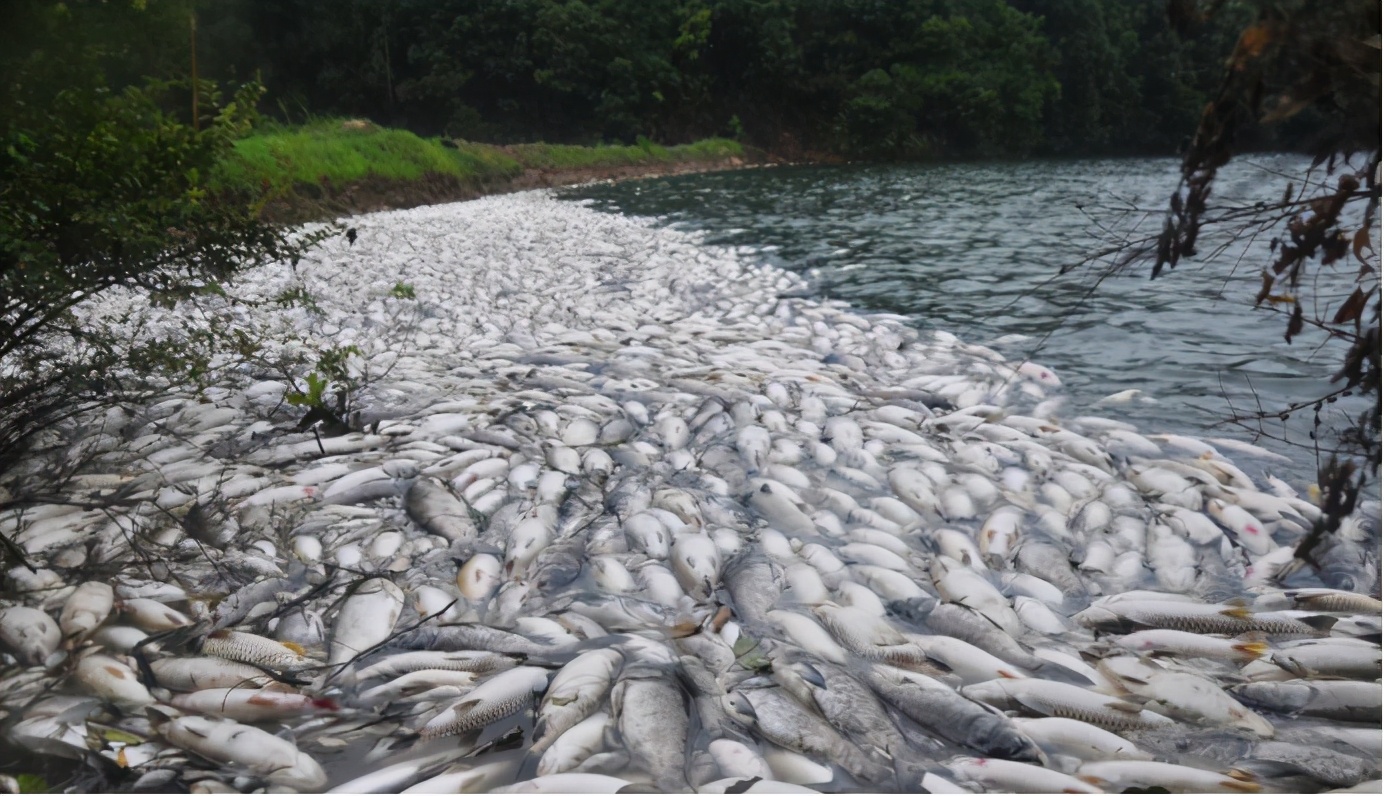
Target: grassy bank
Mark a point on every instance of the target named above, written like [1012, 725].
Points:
[335, 166]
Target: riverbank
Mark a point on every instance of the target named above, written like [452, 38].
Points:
[345, 167]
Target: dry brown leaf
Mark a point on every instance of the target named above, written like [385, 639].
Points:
[1264, 289]
[1362, 242]
[1351, 309]
[1294, 324]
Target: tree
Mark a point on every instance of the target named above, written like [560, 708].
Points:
[1291, 60]
[108, 188]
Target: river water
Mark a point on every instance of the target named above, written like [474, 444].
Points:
[977, 250]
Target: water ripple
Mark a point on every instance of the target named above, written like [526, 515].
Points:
[975, 249]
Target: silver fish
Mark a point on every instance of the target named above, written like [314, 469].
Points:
[256, 650]
[780, 719]
[1343, 700]
[576, 691]
[651, 714]
[754, 582]
[502, 695]
[940, 710]
[1048, 698]
[437, 510]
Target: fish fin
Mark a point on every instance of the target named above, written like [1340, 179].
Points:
[159, 715]
[720, 618]
[684, 629]
[1135, 680]
[296, 649]
[1320, 623]
[1238, 602]
[937, 664]
[1255, 648]
[1097, 781]
[1124, 707]
[1241, 787]
[1236, 613]
[1010, 675]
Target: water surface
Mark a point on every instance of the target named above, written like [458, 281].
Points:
[977, 250]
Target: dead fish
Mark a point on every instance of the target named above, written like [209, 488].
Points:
[256, 650]
[782, 720]
[29, 634]
[576, 690]
[502, 695]
[269, 703]
[474, 661]
[113, 681]
[651, 715]
[1342, 700]
[941, 710]
[1010, 776]
[1049, 698]
[437, 510]
[246, 748]
[85, 610]
[366, 619]
[1121, 775]
[197, 674]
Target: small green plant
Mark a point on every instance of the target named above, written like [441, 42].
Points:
[297, 297]
[331, 378]
[403, 290]
[737, 128]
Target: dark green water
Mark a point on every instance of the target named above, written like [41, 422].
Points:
[976, 250]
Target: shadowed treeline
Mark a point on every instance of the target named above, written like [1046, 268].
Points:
[859, 78]
[874, 78]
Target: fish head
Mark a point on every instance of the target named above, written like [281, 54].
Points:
[1098, 618]
[738, 707]
[1008, 744]
[990, 692]
[1127, 672]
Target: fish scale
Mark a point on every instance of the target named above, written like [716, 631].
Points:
[248, 648]
[562, 413]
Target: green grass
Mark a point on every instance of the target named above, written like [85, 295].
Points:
[281, 158]
[564, 156]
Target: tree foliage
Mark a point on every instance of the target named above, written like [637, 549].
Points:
[864, 78]
[106, 189]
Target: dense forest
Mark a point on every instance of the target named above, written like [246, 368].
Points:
[860, 78]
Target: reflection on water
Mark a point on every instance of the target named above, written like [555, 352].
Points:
[976, 250]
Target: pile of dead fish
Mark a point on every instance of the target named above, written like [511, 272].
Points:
[624, 518]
